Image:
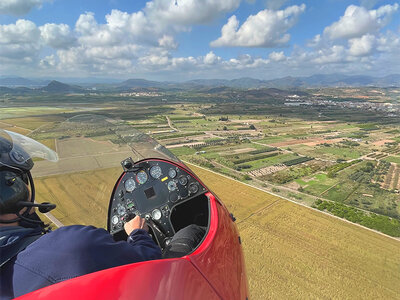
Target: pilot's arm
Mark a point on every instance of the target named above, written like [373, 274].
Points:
[77, 250]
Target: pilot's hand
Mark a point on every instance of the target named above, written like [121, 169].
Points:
[136, 223]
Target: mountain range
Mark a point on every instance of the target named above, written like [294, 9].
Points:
[22, 85]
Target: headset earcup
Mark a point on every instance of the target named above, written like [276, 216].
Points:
[12, 190]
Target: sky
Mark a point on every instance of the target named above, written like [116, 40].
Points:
[177, 40]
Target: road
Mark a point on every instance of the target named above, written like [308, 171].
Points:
[170, 124]
[54, 220]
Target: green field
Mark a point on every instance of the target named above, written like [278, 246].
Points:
[394, 159]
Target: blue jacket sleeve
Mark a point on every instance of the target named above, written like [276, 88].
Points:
[82, 250]
[144, 244]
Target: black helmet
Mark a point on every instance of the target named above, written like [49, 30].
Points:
[16, 153]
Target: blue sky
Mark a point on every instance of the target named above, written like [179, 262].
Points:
[186, 39]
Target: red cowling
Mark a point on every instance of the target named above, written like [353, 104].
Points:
[216, 270]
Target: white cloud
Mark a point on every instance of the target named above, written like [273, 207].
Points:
[154, 60]
[389, 43]
[19, 41]
[22, 32]
[121, 43]
[335, 54]
[277, 56]
[211, 59]
[167, 42]
[268, 28]
[86, 24]
[18, 7]
[24, 40]
[57, 36]
[362, 46]
[358, 21]
[143, 43]
[188, 12]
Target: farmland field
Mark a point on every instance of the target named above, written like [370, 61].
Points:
[81, 198]
[300, 253]
[342, 157]
[395, 159]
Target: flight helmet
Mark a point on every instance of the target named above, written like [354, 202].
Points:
[17, 189]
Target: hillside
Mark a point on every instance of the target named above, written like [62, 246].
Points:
[59, 87]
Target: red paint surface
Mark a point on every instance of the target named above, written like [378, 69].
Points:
[161, 279]
[221, 261]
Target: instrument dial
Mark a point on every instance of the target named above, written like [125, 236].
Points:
[141, 177]
[172, 185]
[156, 214]
[172, 173]
[193, 188]
[155, 172]
[183, 180]
[115, 220]
[130, 185]
[121, 210]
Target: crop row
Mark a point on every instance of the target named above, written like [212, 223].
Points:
[254, 157]
[392, 150]
[179, 135]
[333, 170]
[209, 143]
[376, 155]
[263, 150]
[379, 156]
[297, 161]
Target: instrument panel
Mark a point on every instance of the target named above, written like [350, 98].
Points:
[151, 188]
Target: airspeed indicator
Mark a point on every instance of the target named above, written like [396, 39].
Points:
[141, 177]
[155, 172]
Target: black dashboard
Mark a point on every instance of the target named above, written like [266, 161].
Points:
[151, 188]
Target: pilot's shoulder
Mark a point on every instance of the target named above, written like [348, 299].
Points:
[78, 231]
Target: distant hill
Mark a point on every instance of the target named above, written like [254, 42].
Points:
[333, 80]
[59, 87]
[318, 80]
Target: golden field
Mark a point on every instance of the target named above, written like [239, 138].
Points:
[293, 252]
[81, 198]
